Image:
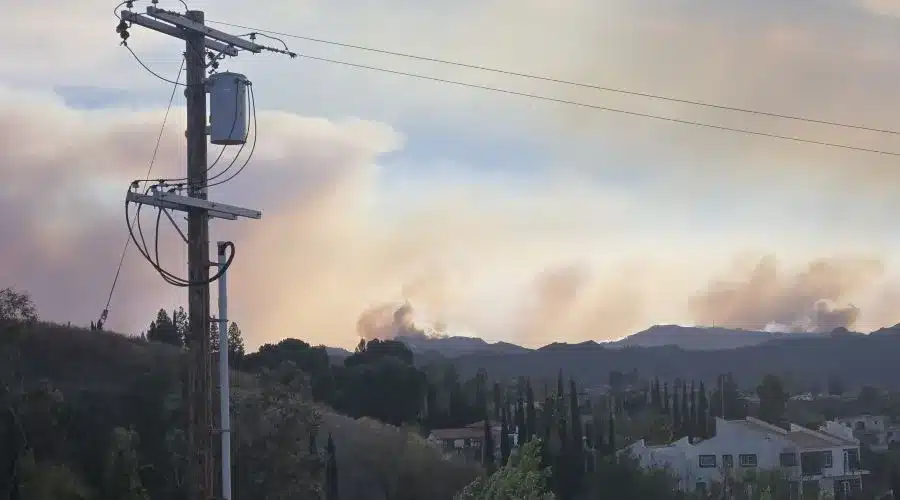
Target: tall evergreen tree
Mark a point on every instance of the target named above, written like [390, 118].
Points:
[611, 435]
[164, 330]
[331, 471]
[577, 451]
[498, 401]
[521, 431]
[655, 396]
[530, 412]
[694, 428]
[685, 409]
[122, 478]
[676, 411]
[666, 407]
[703, 413]
[488, 449]
[504, 435]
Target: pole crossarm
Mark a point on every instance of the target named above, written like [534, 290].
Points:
[186, 204]
[189, 25]
[175, 31]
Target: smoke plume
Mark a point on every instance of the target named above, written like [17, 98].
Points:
[805, 301]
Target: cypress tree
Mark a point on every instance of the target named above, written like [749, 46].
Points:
[611, 438]
[521, 431]
[676, 411]
[504, 436]
[313, 449]
[665, 399]
[703, 413]
[488, 448]
[685, 409]
[530, 413]
[498, 401]
[577, 437]
[656, 397]
[331, 471]
[694, 428]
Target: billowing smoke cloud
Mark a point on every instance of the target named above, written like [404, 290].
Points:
[805, 301]
[391, 320]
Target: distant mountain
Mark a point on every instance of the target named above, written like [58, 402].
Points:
[453, 347]
[704, 338]
[804, 360]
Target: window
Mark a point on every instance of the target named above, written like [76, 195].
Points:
[829, 459]
[727, 460]
[788, 459]
[707, 461]
[747, 459]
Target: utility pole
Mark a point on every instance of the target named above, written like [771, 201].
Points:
[229, 127]
[199, 373]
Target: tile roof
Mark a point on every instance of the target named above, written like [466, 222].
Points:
[461, 433]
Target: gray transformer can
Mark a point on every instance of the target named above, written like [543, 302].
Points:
[228, 108]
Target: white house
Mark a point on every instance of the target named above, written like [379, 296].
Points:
[875, 431]
[822, 460]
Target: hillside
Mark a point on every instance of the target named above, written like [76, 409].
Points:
[859, 359]
[107, 381]
[683, 337]
[704, 338]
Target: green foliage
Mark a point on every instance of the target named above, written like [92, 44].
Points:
[521, 479]
[16, 307]
[772, 399]
[622, 478]
[163, 329]
[271, 433]
[122, 478]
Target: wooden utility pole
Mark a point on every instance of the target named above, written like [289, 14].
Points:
[199, 373]
[200, 41]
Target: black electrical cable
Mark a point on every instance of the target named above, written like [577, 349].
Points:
[162, 129]
[596, 107]
[166, 275]
[530, 76]
[147, 68]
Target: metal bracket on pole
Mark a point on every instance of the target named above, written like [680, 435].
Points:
[183, 22]
[174, 31]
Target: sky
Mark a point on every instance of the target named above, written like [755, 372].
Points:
[494, 215]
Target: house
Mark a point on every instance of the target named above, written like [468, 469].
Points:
[466, 441]
[874, 431]
[813, 461]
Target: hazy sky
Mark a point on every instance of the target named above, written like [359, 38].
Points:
[497, 215]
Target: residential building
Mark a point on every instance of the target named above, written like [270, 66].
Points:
[813, 461]
[466, 441]
[874, 431]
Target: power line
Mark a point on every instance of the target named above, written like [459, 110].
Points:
[605, 108]
[531, 76]
[162, 129]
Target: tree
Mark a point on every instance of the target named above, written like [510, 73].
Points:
[504, 436]
[180, 320]
[122, 478]
[835, 385]
[521, 479]
[213, 337]
[235, 346]
[16, 307]
[530, 413]
[164, 330]
[488, 448]
[331, 471]
[577, 449]
[271, 434]
[498, 401]
[521, 431]
[703, 413]
[693, 429]
[676, 411]
[772, 399]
